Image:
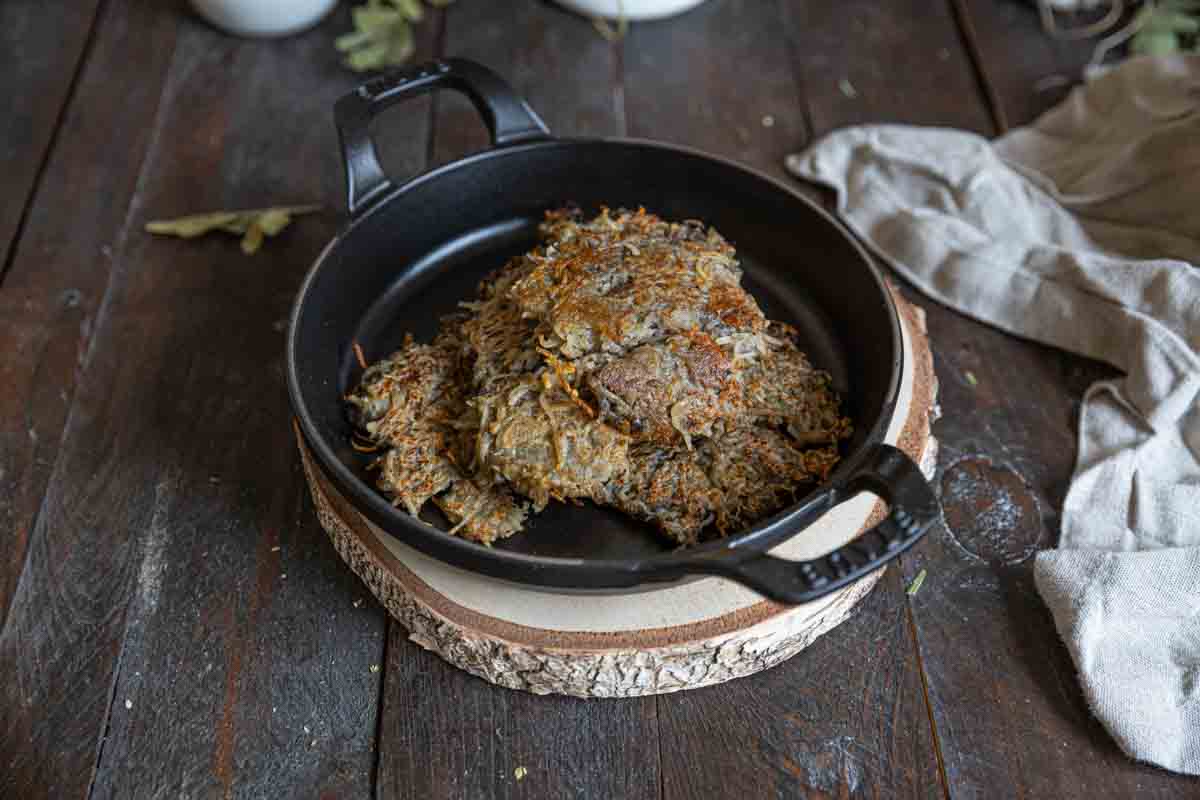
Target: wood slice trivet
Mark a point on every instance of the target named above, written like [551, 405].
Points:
[662, 640]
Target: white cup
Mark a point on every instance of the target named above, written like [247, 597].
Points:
[632, 9]
[263, 17]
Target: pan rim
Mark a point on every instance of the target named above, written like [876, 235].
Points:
[548, 570]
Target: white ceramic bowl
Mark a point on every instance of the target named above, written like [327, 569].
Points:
[263, 17]
[632, 9]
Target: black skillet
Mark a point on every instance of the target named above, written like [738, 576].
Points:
[409, 253]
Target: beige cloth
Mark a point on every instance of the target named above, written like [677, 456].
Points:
[1080, 231]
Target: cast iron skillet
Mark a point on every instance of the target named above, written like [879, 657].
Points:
[409, 253]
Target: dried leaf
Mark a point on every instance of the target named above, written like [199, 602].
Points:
[915, 586]
[367, 58]
[1166, 27]
[605, 28]
[352, 41]
[411, 9]
[253, 239]
[273, 220]
[191, 226]
[383, 34]
[370, 19]
[1155, 43]
[1162, 19]
[253, 225]
[401, 48]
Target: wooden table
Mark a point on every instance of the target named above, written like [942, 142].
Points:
[176, 623]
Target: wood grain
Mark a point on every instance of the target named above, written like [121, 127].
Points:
[846, 717]
[718, 79]
[445, 733]
[42, 46]
[555, 60]
[152, 583]
[1024, 71]
[63, 621]
[895, 62]
[278, 692]
[45, 304]
[152, 644]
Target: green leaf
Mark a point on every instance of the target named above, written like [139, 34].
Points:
[1155, 43]
[253, 225]
[273, 220]
[383, 35]
[411, 9]
[191, 226]
[402, 45]
[373, 56]
[375, 21]
[1164, 21]
[915, 586]
[253, 239]
[1142, 18]
[352, 41]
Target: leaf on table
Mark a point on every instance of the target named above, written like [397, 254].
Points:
[1155, 43]
[273, 220]
[253, 239]
[915, 586]
[411, 9]
[1167, 27]
[383, 34]
[252, 225]
[194, 225]
[606, 29]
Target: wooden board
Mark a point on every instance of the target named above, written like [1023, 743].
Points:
[42, 46]
[187, 614]
[688, 635]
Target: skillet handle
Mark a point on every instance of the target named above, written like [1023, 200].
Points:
[887, 472]
[509, 119]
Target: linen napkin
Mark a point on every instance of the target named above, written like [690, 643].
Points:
[1080, 231]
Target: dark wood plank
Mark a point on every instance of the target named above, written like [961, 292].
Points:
[447, 734]
[177, 574]
[41, 47]
[555, 60]
[43, 318]
[444, 733]
[844, 718]
[1024, 70]
[67, 611]
[896, 62]
[847, 716]
[1007, 705]
[278, 692]
[719, 79]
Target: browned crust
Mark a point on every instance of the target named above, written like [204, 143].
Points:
[912, 440]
